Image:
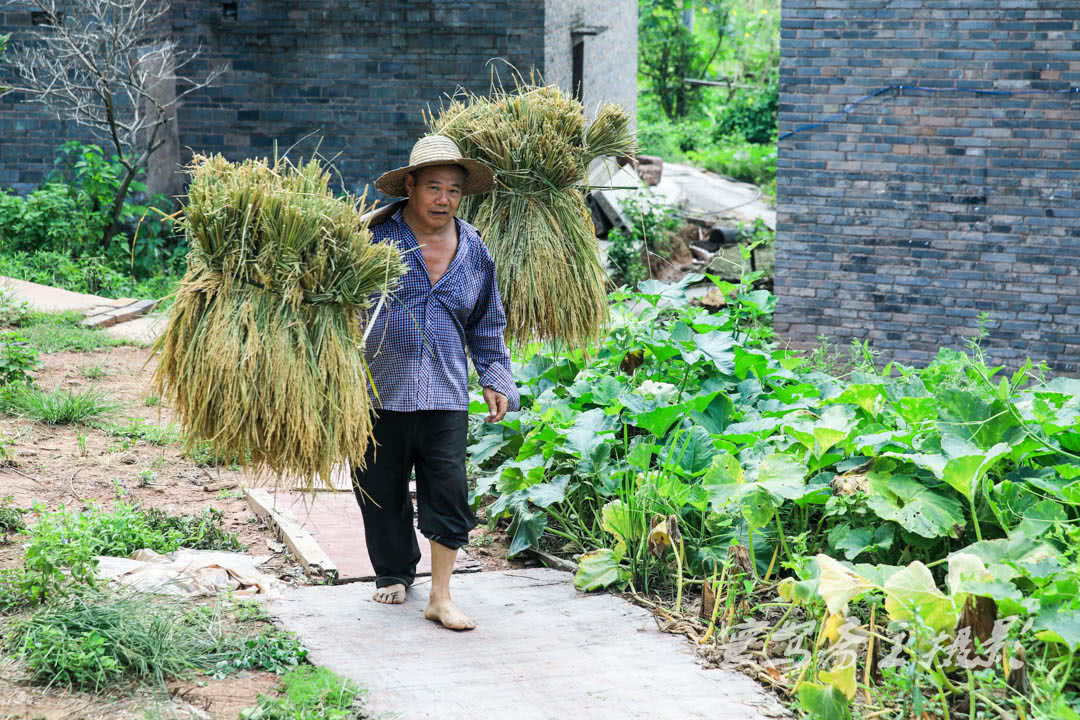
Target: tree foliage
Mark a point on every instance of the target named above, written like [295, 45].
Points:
[669, 53]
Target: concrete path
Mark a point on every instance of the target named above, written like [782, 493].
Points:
[141, 331]
[334, 521]
[705, 194]
[541, 651]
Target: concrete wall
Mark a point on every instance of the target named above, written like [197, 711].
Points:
[610, 61]
[915, 211]
[354, 74]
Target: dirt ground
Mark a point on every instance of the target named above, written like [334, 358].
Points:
[72, 465]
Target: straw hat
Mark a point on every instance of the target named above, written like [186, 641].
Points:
[437, 150]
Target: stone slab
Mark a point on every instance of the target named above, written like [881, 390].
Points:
[143, 330]
[541, 650]
[98, 318]
[335, 524]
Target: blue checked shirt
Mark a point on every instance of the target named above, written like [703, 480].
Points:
[416, 349]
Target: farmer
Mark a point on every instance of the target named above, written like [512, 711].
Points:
[447, 305]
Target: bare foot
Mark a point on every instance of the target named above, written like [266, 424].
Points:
[446, 613]
[391, 594]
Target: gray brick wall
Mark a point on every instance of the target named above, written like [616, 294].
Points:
[917, 211]
[355, 73]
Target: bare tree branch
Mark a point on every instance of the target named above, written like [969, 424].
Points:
[96, 63]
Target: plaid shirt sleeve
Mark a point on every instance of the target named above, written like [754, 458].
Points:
[484, 336]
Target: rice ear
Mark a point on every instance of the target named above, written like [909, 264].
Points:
[262, 357]
[535, 223]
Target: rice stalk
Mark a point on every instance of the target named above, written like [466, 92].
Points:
[262, 355]
[535, 221]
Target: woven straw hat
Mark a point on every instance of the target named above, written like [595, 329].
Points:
[437, 150]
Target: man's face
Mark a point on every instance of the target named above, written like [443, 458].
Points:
[435, 193]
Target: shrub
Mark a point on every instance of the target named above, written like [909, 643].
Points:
[17, 359]
[751, 115]
[13, 311]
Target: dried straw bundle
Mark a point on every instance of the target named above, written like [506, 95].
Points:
[262, 355]
[535, 221]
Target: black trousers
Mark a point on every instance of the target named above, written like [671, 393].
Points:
[433, 442]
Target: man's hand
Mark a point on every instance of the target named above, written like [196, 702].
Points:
[496, 403]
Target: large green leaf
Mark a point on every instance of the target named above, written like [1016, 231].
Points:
[525, 530]
[717, 346]
[723, 480]
[783, 476]
[758, 506]
[600, 569]
[854, 541]
[912, 593]
[869, 397]
[549, 493]
[834, 426]
[964, 413]
[658, 421]
[717, 416]
[969, 576]
[694, 451]
[1059, 623]
[823, 702]
[589, 431]
[915, 507]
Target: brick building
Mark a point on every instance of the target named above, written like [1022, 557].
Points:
[352, 74]
[903, 217]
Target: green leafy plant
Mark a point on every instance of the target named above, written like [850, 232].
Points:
[688, 450]
[11, 517]
[138, 429]
[17, 359]
[61, 556]
[654, 222]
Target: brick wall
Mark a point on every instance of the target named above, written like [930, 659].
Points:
[354, 73]
[916, 211]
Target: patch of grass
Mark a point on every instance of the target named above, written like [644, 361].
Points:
[94, 641]
[139, 429]
[151, 399]
[94, 372]
[56, 407]
[55, 332]
[308, 693]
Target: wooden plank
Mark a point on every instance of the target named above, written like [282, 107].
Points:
[317, 564]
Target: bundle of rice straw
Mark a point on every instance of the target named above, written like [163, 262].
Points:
[262, 356]
[535, 222]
